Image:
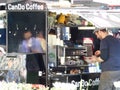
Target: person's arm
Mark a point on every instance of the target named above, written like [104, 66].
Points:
[101, 56]
[21, 48]
[104, 54]
[36, 46]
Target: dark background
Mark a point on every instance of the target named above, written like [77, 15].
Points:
[34, 64]
[18, 22]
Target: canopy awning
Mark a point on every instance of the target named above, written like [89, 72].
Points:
[103, 19]
[99, 18]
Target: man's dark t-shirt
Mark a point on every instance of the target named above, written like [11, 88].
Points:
[110, 53]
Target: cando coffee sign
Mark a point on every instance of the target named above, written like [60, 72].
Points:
[26, 6]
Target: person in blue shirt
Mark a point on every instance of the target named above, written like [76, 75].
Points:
[30, 44]
[109, 56]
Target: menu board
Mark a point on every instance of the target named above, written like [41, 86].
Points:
[25, 30]
[26, 24]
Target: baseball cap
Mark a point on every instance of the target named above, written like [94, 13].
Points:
[97, 29]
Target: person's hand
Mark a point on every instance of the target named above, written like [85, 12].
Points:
[97, 53]
[93, 59]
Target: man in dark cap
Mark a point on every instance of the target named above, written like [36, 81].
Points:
[109, 56]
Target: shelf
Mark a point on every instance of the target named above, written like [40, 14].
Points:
[86, 28]
[59, 75]
[61, 67]
[76, 54]
[91, 73]
[78, 48]
[76, 51]
[83, 73]
[73, 66]
[74, 25]
[66, 68]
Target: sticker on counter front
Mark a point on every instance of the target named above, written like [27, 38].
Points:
[40, 73]
[86, 84]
